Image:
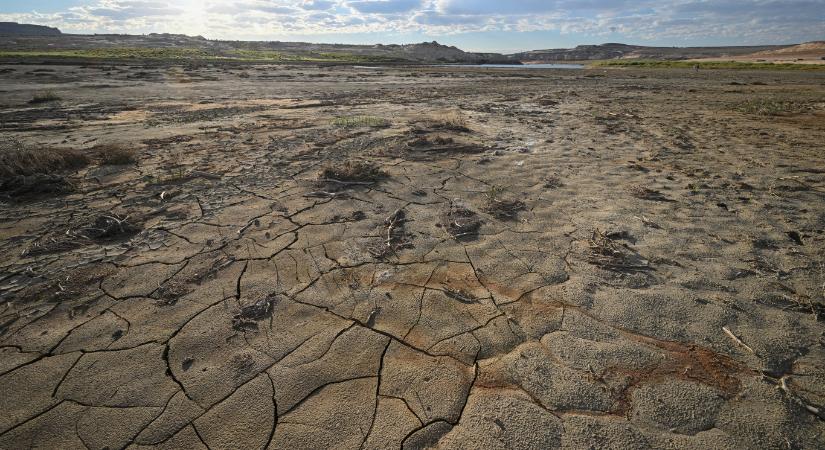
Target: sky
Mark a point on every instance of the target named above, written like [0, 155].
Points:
[474, 25]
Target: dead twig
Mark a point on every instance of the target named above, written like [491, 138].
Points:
[737, 340]
[346, 183]
[202, 174]
[460, 295]
[609, 254]
[396, 238]
[649, 223]
[461, 223]
[324, 194]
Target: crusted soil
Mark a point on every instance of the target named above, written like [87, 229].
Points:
[520, 259]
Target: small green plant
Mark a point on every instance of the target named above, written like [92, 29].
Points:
[360, 121]
[502, 208]
[494, 193]
[44, 97]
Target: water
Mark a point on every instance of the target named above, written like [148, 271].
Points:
[492, 66]
[525, 66]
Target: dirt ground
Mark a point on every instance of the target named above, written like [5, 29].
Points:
[325, 257]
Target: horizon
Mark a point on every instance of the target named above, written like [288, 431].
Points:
[467, 24]
[632, 44]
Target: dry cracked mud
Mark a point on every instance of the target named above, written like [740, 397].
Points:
[510, 259]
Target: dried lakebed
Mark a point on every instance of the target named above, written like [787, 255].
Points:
[310, 257]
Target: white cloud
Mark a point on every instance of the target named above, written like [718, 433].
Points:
[677, 20]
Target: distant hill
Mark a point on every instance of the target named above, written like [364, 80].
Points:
[808, 49]
[425, 52]
[20, 29]
[36, 38]
[624, 51]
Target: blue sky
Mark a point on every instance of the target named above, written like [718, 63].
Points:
[478, 25]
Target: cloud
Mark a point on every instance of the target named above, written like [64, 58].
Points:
[131, 9]
[384, 6]
[677, 21]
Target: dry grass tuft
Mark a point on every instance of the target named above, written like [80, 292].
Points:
[115, 155]
[19, 160]
[361, 121]
[452, 120]
[44, 97]
[353, 172]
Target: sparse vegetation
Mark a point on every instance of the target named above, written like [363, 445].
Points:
[772, 107]
[115, 155]
[112, 53]
[361, 121]
[502, 208]
[28, 171]
[330, 57]
[731, 65]
[353, 172]
[17, 160]
[199, 54]
[451, 120]
[44, 97]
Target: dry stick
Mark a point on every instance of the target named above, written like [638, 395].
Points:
[393, 220]
[783, 385]
[649, 222]
[357, 183]
[737, 340]
[207, 175]
[324, 194]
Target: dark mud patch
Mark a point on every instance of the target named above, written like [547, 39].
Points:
[461, 223]
[110, 228]
[429, 146]
[203, 115]
[644, 193]
[249, 316]
[502, 208]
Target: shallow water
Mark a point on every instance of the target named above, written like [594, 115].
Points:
[515, 66]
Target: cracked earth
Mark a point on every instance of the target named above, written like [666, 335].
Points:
[588, 259]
